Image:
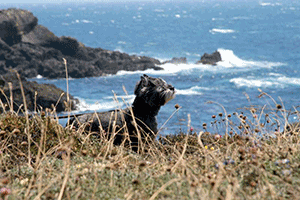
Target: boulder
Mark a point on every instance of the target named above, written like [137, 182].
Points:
[9, 32]
[39, 35]
[210, 59]
[181, 60]
[14, 23]
[45, 95]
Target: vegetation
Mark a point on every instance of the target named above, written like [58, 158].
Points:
[253, 154]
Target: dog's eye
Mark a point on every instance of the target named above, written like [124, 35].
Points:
[151, 83]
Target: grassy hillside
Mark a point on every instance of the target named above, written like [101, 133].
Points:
[252, 154]
[40, 159]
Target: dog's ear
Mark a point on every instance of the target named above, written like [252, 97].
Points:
[147, 81]
[144, 80]
[142, 83]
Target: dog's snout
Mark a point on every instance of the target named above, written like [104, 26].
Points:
[171, 87]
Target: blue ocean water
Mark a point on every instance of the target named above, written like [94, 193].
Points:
[259, 42]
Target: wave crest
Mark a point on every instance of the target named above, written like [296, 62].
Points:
[274, 80]
[216, 30]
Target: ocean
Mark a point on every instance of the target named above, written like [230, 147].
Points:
[259, 42]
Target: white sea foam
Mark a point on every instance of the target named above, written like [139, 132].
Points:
[195, 90]
[106, 103]
[217, 19]
[159, 10]
[98, 106]
[269, 4]
[242, 82]
[241, 18]
[128, 98]
[275, 81]
[274, 74]
[216, 30]
[39, 76]
[170, 68]
[121, 42]
[265, 4]
[86, 21]
[229, 59]
[77, 21]
[187, 92]
[148, 44]
[162, 15]
[119, 49]
[289, 81]
[177, 16]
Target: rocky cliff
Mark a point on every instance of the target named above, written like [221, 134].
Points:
[31, 49]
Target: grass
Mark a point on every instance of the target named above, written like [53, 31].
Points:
[245, 155]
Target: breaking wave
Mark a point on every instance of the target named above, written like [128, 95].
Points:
[229, 59]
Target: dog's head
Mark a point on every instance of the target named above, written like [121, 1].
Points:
[154, 91]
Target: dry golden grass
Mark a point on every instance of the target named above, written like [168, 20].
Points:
[236, 156]
[40, 159]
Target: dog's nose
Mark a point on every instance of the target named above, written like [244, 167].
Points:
[171, 87]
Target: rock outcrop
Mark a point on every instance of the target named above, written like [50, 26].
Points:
[31, 49]
[14, 24]
[210, 59]
[37, 95]
[181, 60]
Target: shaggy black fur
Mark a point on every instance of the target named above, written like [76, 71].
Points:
[151, 93]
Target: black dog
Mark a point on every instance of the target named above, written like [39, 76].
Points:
[151, 93]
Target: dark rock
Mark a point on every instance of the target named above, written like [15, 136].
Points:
[32, 50]
[9, 33]
[14, 23]
[47, 95]
[38, 35]
[181, 60]
[210, 59]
